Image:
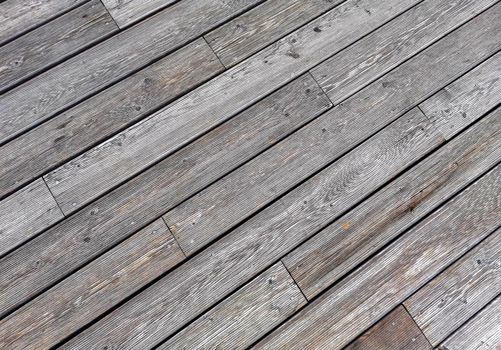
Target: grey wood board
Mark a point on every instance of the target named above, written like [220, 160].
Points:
[216, 209]
[483, 332]
[126, 12]
[459, 292]
[53, 42]
[26, 213]
[209, 276]
[56, 252]
[257, 28]
[325, 258]
[59, 139]
[100, 66]
[145, 143]
[386, 280]
[379, 52]
[245, 316]
[91, 291]
[17, 17]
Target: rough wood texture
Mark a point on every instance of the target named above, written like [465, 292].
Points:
[459, 292]
[64, 136]
[128, 208]
[396, 331]
[483, 332]
[96, 68]
[233, 260]
[53, 42]
[92, 290]
[130, 151]
[382, 50]
[392, 275]
[245, 316]
[19, 16]
[261, 26]
[126, 12]
[26, 213]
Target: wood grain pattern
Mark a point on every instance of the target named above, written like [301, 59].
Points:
[209, 276]
[141, 145]
[126, 12]
[104, 64]
[396, 331]
[257, 28]
[245, 316]
[26, 213]
[379, 52]
[459, 292]
[53, 42]
[396, 272]
[483, 332]
[55, 253]
[91, 291]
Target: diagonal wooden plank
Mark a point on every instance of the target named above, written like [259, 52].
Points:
[130, 207]
[89, 292]
[349, 307]
[68, 134]
[126, 12]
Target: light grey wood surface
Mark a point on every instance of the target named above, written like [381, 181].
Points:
[126, 12]
[92, 290]
[392, 275]
[242, 318]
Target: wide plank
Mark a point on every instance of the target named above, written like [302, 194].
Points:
[222, 267]
[245, 316]
[129, 152]
[109, 61]
[26, 213]
[127, 12]
[459, 292]
[345, 310]
[396, 331]
[53, 42]
[133, 205]
[91, 291]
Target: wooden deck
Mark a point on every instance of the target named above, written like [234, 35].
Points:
[250, 174]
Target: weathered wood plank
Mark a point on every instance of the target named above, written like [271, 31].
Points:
[396, 331]
[126, 12]
[379, 52]
[245, 316]
[91, 291]
[255, 29]
[17, 17]
[349, 307]
[64, 136]
[209, 276]
[53, 42]
[459, 292]
[130, 151]
[221, 206]
[26, 213]
[483, 332]
[131, 206]
[107, 62]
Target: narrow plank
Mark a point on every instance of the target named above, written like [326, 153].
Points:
[91, 291]
[459, 292]
[130, 207]
[245, 316]
[26, 213]
[126, 12]
[53, 42]
[68, 134]
[386, 280]
[255, 29]
[127, 153]
[396, 331]
[483, 332]
[220, 207]
[350, 70]
[17, 17]
[107, 62]
[209, 276]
